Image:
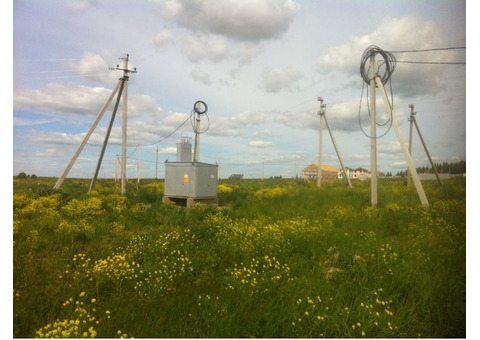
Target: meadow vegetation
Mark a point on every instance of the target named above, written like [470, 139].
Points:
[278, 258]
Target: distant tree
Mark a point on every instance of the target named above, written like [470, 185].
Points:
[22, 175]
[33, 176]
[443, 168]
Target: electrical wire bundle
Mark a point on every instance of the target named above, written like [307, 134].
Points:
[200, 108]
[384, 71]
[387, 66]
[197, 109]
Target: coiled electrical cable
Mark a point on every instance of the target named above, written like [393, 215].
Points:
[200, 108]
[384, 71]
[385, 68]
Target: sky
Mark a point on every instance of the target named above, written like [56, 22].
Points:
[259, 65]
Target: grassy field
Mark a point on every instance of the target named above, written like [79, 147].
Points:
[278, 258]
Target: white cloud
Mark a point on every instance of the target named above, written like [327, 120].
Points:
[175, 119]
[201, 77]
[281, 78]
[244, 20]
[211, 47]
[163, 38]
[263, 133]
[341, 116]
[62, 98]
[93, 67]
[172, 150]
[28, 122]
[260, 144]
[68, 99]
[80, 5]
[141, 104]
[247, 52]
[389, 148]
[396, 34]
[234, 126]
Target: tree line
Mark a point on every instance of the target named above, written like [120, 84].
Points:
[456, 168]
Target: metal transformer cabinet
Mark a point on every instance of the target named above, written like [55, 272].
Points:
[191, 182]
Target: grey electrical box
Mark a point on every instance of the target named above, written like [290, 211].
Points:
[184, 150]
[191, 180]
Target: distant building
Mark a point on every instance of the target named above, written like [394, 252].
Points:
[329, 173]
[349, 172]
[361, 173]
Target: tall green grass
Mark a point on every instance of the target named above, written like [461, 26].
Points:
[278, 258]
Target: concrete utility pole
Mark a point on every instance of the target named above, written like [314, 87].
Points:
[126, 72]
[410, 139]
[200, 108]
[373, 135]
[60, 180]
[117, 163]
[374, 80]
[406, 154]
[100, 158]
[196, 154]
[320, 112]
[121, 87]
[414, 121]
[139, 164]
[156, 164]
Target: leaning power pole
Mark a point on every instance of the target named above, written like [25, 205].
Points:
[121, 87]
[376, 81]
[322, 114]
[411, 166]
[413, 121]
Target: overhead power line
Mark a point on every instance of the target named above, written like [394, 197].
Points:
[432, 62]
[164, 138]
[430, 49]
[171, 133]
[51, 59]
